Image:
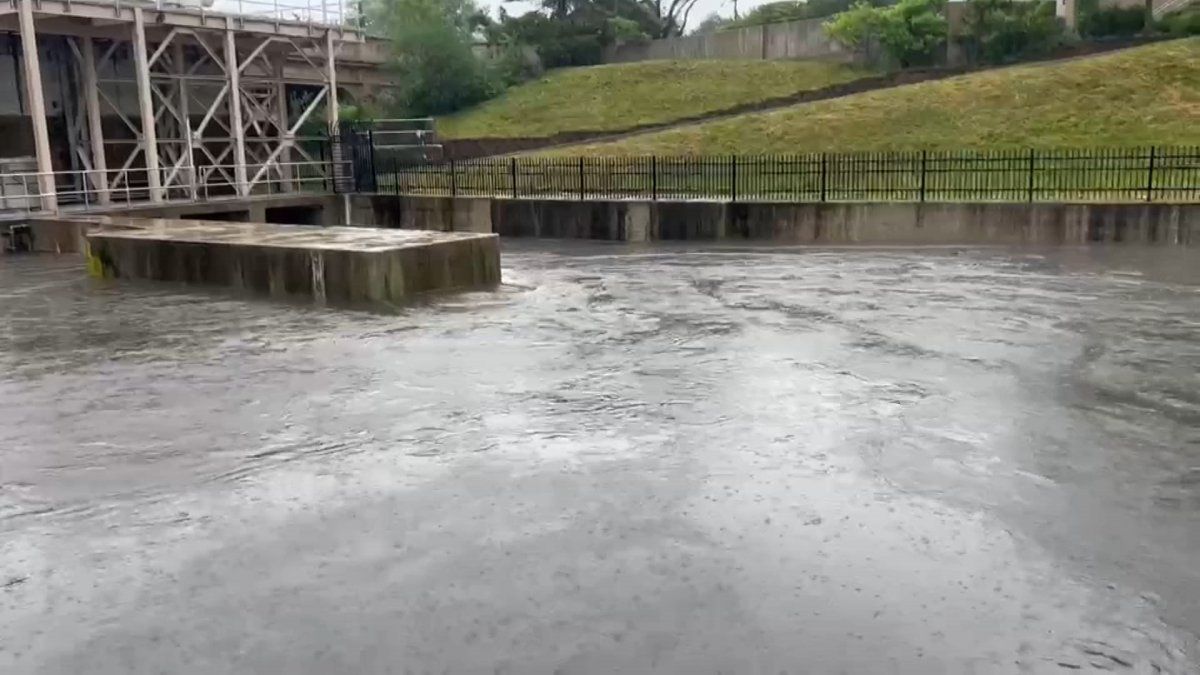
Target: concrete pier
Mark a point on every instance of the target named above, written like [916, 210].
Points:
[344, 265]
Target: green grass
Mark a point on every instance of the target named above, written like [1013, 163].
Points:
[1137, 97]
[624, 96]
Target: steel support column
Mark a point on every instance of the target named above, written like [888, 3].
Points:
[185, 123]
[286, 175]
[331, 100]
[336, 151]
[146, 106]
[235, 113]
[91, 98]
[37, 107]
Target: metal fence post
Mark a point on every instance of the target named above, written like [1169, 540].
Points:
[326, 172]
[824, 172]
[1032, 159]
[924, 155]
[371, 153]
[1150, 178]
[453, 180]
[654, 178]
[582, 184]
[733, 178]
[512, 172]
[396, 175]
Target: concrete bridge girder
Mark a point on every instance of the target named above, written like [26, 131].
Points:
[221, 100]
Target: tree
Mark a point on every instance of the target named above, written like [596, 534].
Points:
[672, 15]
[575, 32]
[436, 69]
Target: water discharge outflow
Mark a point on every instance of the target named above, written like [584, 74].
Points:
[674, 460]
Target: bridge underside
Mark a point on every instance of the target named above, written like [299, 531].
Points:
[163, 104]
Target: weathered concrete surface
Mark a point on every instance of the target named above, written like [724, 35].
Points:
[444, 214]
[688, 459]
[830, 223]
[62, 235]
[338, 264]
[803, 39]
[320, 209]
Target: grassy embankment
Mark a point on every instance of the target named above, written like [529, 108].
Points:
[1144, 96]
[618, 97]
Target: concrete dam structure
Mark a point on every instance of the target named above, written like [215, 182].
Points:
[335, 265]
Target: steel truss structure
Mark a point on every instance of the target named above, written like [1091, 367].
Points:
[226, 104]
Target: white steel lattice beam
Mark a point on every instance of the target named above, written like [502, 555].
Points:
[235, 113]
[189, 156]
[91, 97]
[37, 106]
[146, 106]
[281, 124]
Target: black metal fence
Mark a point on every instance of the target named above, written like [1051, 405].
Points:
[1104, 174]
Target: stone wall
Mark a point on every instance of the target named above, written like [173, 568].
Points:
[831, 223]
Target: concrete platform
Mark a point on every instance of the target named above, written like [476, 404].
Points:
[336, 264]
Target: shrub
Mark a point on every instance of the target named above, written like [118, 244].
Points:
[517, 63]
[1181, 24]
[626, 30]
[1095, 21]
[1005, 30]
[910, 32]
[856, 26]
[559, 43]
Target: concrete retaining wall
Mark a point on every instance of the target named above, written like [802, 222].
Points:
[803, 39]
[835, 223]
[786, 40]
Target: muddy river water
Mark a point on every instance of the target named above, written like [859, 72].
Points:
[676, 460]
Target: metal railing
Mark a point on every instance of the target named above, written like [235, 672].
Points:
[1097, 174]
[1161, 9]
[345, 13]
[324, 12]
[84, 190]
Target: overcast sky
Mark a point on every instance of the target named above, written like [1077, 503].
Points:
[703, 8]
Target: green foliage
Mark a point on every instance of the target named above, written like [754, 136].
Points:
[626, 30]
[1131, 98]
[796, 10]
[1096, 21]
[559, 43]
[1181, 24]
[913, 30]
[356, 113]
[910, 31]
[1005, 30]
[515, 64]
[435, 68]
[855, 26]
[575, 32]
[623, 96]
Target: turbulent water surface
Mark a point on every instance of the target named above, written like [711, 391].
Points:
[691, 460]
